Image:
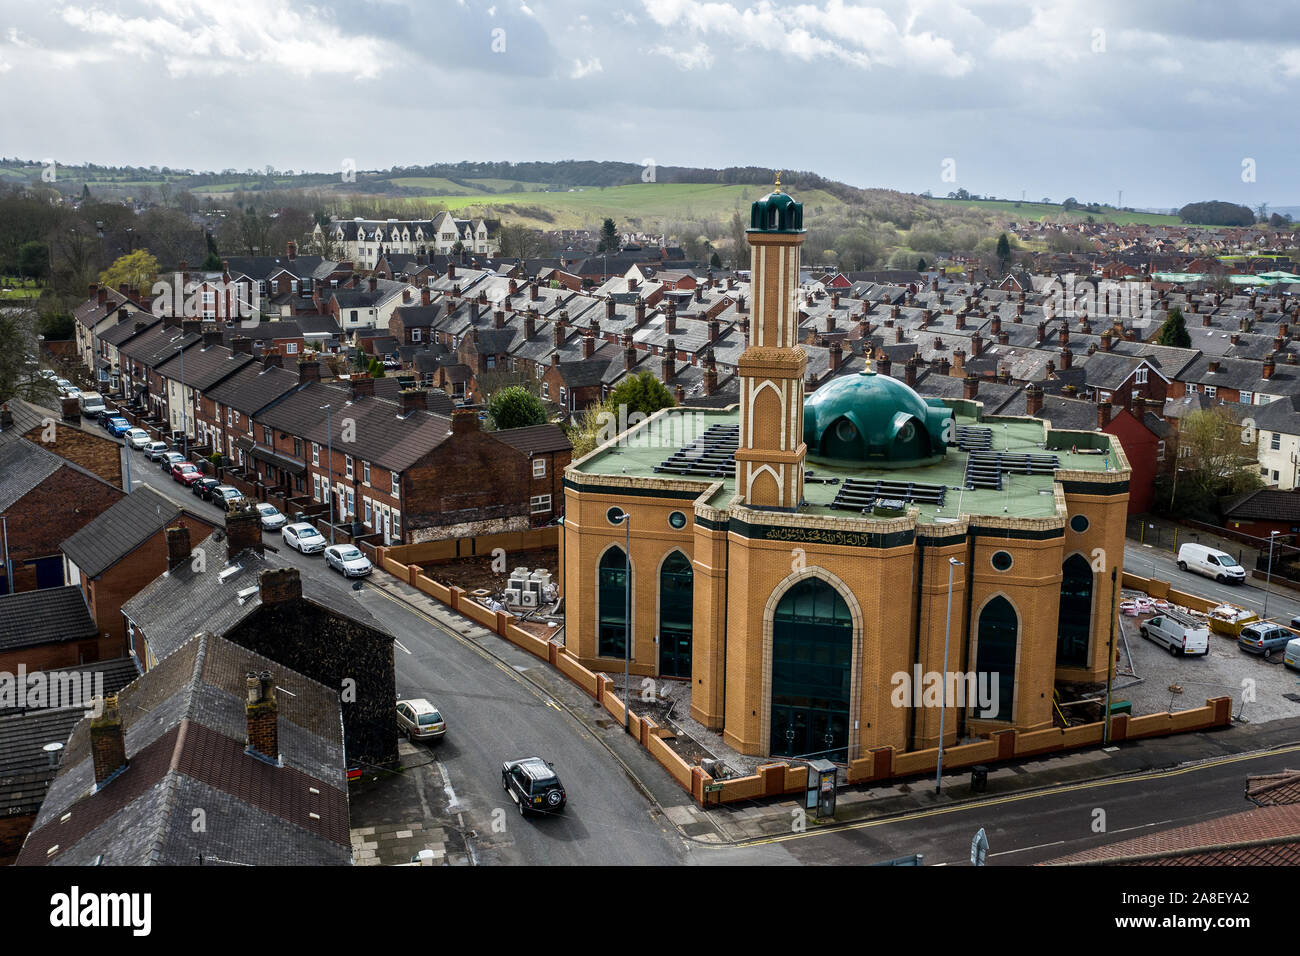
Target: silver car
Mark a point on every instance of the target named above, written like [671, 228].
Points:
[348, 559]
[271, 518]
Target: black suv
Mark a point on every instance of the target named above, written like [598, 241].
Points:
[533, 785]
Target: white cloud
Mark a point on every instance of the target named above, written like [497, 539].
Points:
[697, 57]
[585, 68]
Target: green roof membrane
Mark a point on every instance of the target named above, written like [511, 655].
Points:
[640, 449]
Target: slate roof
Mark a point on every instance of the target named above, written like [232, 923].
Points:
[535, 439]
[253, 387]
[1264, 504]
[46, 616]
[23, 466]
[119, 530]
[25, 771]
[186, 732]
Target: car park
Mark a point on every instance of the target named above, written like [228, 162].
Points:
[168, 459]
[533, 784]
[348, 559]
[271, 518]
[202, 488]
[155, 450]
[186, 473]
[225, 495]
[420, 720]
[303, 537]
[1211, 562]
[1264, 637]
[1178, 632]
[137, 438]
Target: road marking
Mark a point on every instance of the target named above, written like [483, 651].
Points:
[551, 703]
[1026, 849]
[453, 804]
[1141, 827]
[401, 645]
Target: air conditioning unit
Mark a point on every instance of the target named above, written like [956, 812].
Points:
[530, 598]
[512, 596]
[531, 587]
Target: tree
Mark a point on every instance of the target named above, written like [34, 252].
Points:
[641, 393]
[1004, 252]
[18, 350]
[1174, 331]
[376, 368]
[595, 426]
[1214, 458]
[715, 262]
[137, 270]
[34, 260]
[920, 265]
[211, 263]
[609, 241]
[515, 407]
[519, 242]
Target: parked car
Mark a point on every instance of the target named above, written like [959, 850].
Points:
[225, 495]
[303, 537]
[91, 404]
[186, 473]
[154, 450]
[271, 518]
[202, 488]
[1179, 633]
[1263, 637]
[533, 784]
[170, 458]
[1291, 656]
[348, 559]
[64, 385]
[420, 720]
[137, 437]
[1211, 562]
[118, 426]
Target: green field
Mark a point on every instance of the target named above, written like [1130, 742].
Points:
[646, 204]
[1038, 211]
[435, 184]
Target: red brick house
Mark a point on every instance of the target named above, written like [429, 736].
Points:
[549, 452]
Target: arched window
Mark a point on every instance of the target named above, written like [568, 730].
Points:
[612, 598]
[676, 610]
[812, 660]
[995, 658]
[1074, 625]
[772, 217]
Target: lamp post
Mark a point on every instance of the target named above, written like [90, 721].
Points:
[943, 687]
[1268, 575]
[329, 457]
[625, 520]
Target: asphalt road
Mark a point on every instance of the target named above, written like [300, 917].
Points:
[1142, 560]
[494, 713]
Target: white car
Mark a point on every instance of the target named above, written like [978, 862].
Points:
[303, 536]
[137, 438]
[64, 384]
[348, 559]
[271, 519]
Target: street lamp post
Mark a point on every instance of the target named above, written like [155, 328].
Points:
[953, 563]
[329, 458]
[625, 520]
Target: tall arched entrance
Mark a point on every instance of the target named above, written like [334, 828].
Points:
[812, 661]
[996, 653]
[1075, 622]
[676, 612]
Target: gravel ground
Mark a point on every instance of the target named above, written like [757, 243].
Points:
[1223, 672]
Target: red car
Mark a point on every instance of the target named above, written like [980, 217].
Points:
[186, 473]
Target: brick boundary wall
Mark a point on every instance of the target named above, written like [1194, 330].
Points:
[778, 778]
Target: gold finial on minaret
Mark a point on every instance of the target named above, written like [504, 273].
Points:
[777, 189]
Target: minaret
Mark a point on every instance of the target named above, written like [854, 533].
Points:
[770, 459]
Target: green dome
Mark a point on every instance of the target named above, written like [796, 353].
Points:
[874, 419]
[776, 212]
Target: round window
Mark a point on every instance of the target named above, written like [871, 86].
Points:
[614, 515]
[1079, 523]
[677, 520]
[907, 432]
[1001, 560]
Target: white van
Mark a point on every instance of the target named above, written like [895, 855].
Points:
[1291, 658]
[92, 404]
[1211, 562]
[1179, 633]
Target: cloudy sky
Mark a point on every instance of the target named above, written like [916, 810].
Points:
[1169, 100]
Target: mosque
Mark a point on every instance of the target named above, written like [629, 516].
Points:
[805, 561]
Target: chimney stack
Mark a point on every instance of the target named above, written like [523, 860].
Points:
[640, 312]
[588, 346]
[412, 400]
[629, 352]
[243, 531]
[1105, 341]
[670, 318]
[883, 363]
[178, 546]
[1067, 358]
[278, 585]
[970, 387]
[530, 324]
[262, 711]
[909, 372]
[958, 363]
[668, 367]
[1103, 414]
[273, 360]
[1033, 400]
[609, 307]
[361, 386]
[498, 319]
[291, 250]
[308, 372]
[211, 337]
[373, 284]
[107, 740]
[710, 377]
[1268, 368]
[241, 345]
[837, 355]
